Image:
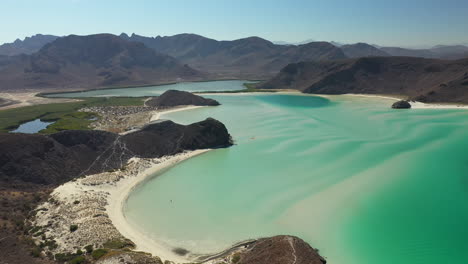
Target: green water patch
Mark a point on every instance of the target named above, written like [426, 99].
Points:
[295, 101]
[422, 217]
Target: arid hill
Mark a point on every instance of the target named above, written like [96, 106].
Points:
[252, 57]
[27, 46]
[279, 250]
[173, 98]
[103, 60]
[60, 157]
[426, 80]
[32, 165]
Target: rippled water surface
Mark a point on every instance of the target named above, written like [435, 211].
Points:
[354, 178]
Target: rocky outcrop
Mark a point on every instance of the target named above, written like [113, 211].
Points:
[426, 80]
[280, 250]
[401, 105]
[60, 157]
[172, 98]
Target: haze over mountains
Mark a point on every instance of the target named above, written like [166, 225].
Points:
[250, 57]
[105, 60]
[200, 45]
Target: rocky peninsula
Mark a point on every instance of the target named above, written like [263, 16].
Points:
[172, 98]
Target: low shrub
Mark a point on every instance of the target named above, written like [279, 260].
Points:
[36, 252]
[89, 249]
[34, 229]
[78, 260]
[51, 244]
[98, 253]
[73, 228]
[62, 257]
[118, 244]
[235, 258]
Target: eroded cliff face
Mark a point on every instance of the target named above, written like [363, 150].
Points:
[60, 157]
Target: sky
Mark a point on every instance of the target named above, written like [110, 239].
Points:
[406, 23]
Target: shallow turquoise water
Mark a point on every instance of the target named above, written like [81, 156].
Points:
[354, 178]
[158, 89]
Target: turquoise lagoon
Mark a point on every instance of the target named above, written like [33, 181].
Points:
[228, 85]
[359, 181]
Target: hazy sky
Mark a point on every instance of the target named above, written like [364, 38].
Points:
[383, 22]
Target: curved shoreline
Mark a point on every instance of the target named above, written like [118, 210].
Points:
[119, 195]
[121, 191]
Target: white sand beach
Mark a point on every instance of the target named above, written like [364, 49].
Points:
[118, 195]
[102, 197]
[159, 113]
[99, 214]
[415, 104]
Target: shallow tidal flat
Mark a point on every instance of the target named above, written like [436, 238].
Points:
[354, 178]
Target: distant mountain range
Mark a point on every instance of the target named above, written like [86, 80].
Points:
[103, 60]
[362, 50]
[27, 46]
[201, 46]
[421, 79]
[437, 52]
[251, 57]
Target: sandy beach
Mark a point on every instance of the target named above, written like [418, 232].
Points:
[415, 104]
[99, 214]
[118, 195]
[158, 114]
[102, 197]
